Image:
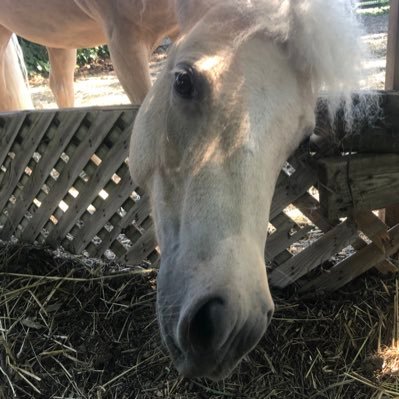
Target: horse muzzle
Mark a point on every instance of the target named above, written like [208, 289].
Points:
[208, 335]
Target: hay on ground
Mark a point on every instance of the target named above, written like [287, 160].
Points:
[72, 327]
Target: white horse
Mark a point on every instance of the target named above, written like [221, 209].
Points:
[131, 28]
[236, 98]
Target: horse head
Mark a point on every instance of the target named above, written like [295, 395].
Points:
[235, 99]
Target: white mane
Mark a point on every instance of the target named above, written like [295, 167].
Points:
[322, 39]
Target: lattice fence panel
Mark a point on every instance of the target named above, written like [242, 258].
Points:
[64, 181]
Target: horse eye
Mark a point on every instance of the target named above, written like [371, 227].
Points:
[184, 84]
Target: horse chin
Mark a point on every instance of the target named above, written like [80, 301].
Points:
[212, 361]
[212, 367]
[219, 372]
[201, 366]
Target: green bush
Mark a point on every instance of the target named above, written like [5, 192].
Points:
[36, 57]
[89, 55]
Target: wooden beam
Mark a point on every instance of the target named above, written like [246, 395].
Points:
[367, 222]
[374, 228]
[353, 266]
[381, 139]
[358, 182]
[311, 257]
[392, 81]
[392, 67]
[377, 231]
[382, 136]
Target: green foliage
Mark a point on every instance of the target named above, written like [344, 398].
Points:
[36, 57]
[90, 55]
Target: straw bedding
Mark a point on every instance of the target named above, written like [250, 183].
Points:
[72, 327]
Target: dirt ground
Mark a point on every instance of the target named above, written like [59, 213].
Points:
[92, 88]
[96, 89]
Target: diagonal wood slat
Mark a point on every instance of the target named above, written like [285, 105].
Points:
[104, 213]
[39, 126]
[353, 266]
[328, 245]
[10, 127]
[90, 190]
[103, 122]
[42, 170]
[136, 215]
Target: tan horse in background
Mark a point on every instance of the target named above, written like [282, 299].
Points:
[14, 92]
[131, 28]
[236, 97]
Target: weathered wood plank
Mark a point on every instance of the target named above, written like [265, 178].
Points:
[283, 222]
[360, 182]
[137, 214]
[379, 136]
[392, 67]
[290, 188]
[392, 83]
[101, 176]
[373, 227]
[381, 139]
[38, 128]
[377, 231]
[281, 258]
[279, 241]
[353, 266]
[142, 248]
[310, 207]
[9, 129]
[68, 125]
[103, 213]
[328, 245]
[102, 123]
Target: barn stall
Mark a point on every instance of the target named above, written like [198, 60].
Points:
[79, 259]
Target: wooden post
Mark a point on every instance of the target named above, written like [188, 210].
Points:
[392, 66]
[392, 82]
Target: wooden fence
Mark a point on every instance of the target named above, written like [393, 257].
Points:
[64, 181]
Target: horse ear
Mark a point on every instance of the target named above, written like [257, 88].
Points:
[191, 11]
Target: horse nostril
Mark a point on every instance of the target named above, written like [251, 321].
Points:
[205, 325]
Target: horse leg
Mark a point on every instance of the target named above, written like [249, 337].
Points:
[130, 58]
[62, 69]
[14, 92]
[5, 97]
